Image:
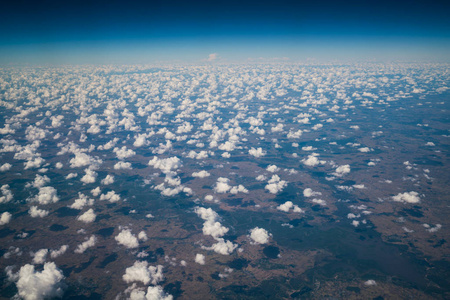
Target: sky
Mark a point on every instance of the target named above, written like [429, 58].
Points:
[236, 31]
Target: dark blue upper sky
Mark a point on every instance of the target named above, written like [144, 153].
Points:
[134, 31]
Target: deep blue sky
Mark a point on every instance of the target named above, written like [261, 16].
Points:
[138, 31]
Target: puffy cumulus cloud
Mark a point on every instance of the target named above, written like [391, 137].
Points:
[87, 244]
[257, 152]
[201, 155]
[109, 179]
[342, 170]
[89, 177]
[364, 149]
[35, 212]
[59, 165]
[309, 148]
[212, 57]
[319, 201]
[153, 293]
[111, 196]
[228, 146]
[277, 128]
[127, 239]
[201, 174]
[33, 163]
[5, 167]
[39, 181]
[222, 247]
[95, 192]
[142, 272]
[7, 194]
[121, 165]
[275, 184]
[123, 152]
[294, 134]
[71, 175]
[46, 195]
[212, 227]
[432, 229]
[312, 160]
[35, 133]
[35, 285]
[411, 197]
[308, 192]
[166, 165]
[82, 201]
[82, 159]
[370, 282]
[88, 217]
[56, 121]
[200, 259]
[5, 218]
[140, 140]
[142, 236]
[56, 253]
[288, 205]
[40, 256]
[259, 235]
[222, 185]
[272, 168]
[238, 189]
[184, 128]
[261, 178]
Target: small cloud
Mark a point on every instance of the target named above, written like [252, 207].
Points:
[213, 57]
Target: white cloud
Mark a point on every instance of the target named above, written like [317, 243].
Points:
[39, 181]
[46, 195]
[257, 152]
[82, 201]
[87, 244]
[370, 282]
[59, 252]
[319, 201]
[5, 167]
[123, 152]
[222, 247]
[95, 192]
[71, 175]
[35, 212]
[109, 179]
[272, 168]
[213, 57]
[7, 194]
[288, 205]
[153, 293]
[312, 160]
[82, 160]
[259, 235]
[364, 149]
[222, 185]
[40, 256]
[200, 259]
[5, 218]
[127, 239]
[111, 196]
[89, 177]
[88, 217]
[142, 272]
[166, 165]
[411, 197]
[275, 184]
[35, 285]
[310, 193]
[201, 174]
[122, 166]
[342, 170]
